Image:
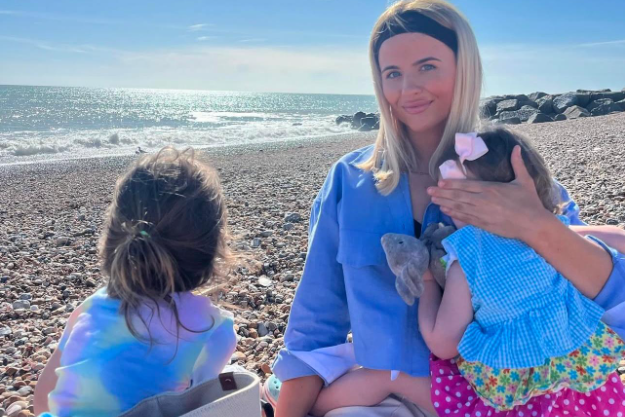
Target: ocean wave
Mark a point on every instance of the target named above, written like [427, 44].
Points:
[39, 150]
[225, 116]
[77, 143]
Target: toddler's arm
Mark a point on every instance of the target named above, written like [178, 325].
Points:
[611, 235]
[443, 318]
[48, 378]
[46, 383]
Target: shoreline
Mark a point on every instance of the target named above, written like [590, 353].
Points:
[216, 149]
[51, 214]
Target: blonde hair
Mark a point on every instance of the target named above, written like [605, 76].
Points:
[393, 153]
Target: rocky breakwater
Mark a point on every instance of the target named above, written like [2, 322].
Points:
[361, 121]
[541, 107]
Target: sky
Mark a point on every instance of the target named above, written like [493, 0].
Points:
[311, 46]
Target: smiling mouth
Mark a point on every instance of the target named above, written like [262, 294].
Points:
[417, 108]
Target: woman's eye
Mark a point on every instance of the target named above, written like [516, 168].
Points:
[427, 67]
[393, 74]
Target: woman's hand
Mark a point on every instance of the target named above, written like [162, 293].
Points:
[507, 209]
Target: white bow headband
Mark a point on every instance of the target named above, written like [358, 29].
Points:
[469, 147]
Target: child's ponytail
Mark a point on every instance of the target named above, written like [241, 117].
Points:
[165, 231]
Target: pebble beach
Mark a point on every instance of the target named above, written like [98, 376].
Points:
[51, 216]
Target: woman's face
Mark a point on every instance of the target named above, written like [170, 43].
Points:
[418, 76]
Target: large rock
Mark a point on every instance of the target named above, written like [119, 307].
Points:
[508, 105]
[596, 103]
[545, 104]
[369, 123]
[357, 118]
[535, 96]
[599, 94]
[606, 108]
[526, 101]
[575, 112]
[539, 118]
[614, 95]
[563, 102]
[559, 117]
[511, 121]
[622, 104]
[523, 113]
[343, 119]
[488, 107]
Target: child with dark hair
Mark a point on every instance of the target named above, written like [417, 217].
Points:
[145, 333]
[510, 335]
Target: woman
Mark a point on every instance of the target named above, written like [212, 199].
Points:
[427, 74]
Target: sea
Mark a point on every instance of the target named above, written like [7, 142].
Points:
[56, 123]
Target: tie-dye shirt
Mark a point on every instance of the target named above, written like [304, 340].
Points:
[105, 370]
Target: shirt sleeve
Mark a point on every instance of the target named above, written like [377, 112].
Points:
[319, 316]
[612, 296]
[569, 207]
[217, 351]
[71, 321]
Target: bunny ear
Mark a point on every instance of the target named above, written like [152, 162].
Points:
[469, 146]
[451, 171]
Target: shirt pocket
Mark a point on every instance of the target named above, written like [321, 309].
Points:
[360, 249]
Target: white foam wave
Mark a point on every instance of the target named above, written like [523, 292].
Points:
[221, 116]
[77, 143]
[38, 150]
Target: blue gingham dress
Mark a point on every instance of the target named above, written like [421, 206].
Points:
[525, 312]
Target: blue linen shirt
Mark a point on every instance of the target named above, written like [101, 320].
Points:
[347, 284]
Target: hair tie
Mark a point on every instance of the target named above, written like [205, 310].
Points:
[144, 234]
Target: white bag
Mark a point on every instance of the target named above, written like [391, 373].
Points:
[232, 394]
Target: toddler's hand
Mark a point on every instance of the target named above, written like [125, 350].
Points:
[427, 276]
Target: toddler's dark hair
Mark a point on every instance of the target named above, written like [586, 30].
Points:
[495, 165]
[165, 231]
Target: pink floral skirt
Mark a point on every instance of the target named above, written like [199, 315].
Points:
[452, 395]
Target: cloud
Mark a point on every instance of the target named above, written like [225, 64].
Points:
[198, 27]
[617, 42]
[252, 40]
[243, 68]
[45, 45]
[205, 38]
[64, 48]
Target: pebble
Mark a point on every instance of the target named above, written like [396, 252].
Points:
[21, 304]
[264, 281]
[15, 408]
[262, 330]
[293, 217]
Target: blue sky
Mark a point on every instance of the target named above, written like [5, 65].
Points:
[317, 46]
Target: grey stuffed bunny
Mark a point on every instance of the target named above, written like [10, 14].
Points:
[409, 258]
